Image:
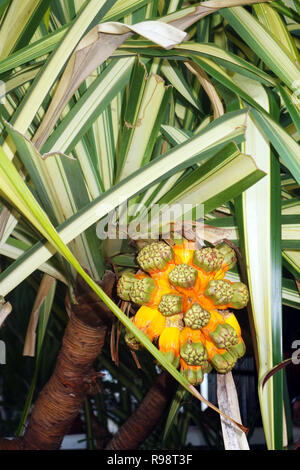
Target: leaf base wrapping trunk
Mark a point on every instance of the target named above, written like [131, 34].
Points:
[60, 400]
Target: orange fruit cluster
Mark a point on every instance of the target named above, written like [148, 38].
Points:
[185, 305]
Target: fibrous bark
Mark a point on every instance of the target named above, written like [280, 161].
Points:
[59, 402]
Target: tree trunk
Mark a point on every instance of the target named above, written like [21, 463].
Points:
[59, 402]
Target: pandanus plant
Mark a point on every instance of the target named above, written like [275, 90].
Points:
[153, 102]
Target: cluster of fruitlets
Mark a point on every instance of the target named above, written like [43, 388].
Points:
[185, 305]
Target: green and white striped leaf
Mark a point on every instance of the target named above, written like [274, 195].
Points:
[143, 132]
[37, 49]
[263, 44]
[19, 21]
[210, 51]
[292, 102]
[48, 43]
[286, 146]
[105, 137]
[226, 128]
[48, 75]
[272, 21]
[177, 79]
[60, 188]
[93, 102]
[13, 249]
[291, 206]
[290, 230]
[142, 118]
[176, 136]
[292, 262]
[258, 217]
[216, 181]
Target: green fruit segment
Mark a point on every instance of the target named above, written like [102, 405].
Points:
[171, 357]
[183, 276]
[223, 363]
[170, 304]
[208, 259]
[219, 291]
[155, 256]
[222, 292]
[124, 285]
[141, 291]
[239, 349]
[194, 354]
[131, 341]
[228, 254]
[240, 296]
[196, 317]
[194, 377]
[224, 336]
[206, 367]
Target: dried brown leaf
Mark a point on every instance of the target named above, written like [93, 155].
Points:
[233, 438]
[275, 369]
[97, 46]
[5, 310]
[207, 8]
[30, 339]
[210, 90]
[4, 217]
[91, 52]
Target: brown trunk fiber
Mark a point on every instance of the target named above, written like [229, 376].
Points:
[140, 424]
[59, 402]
